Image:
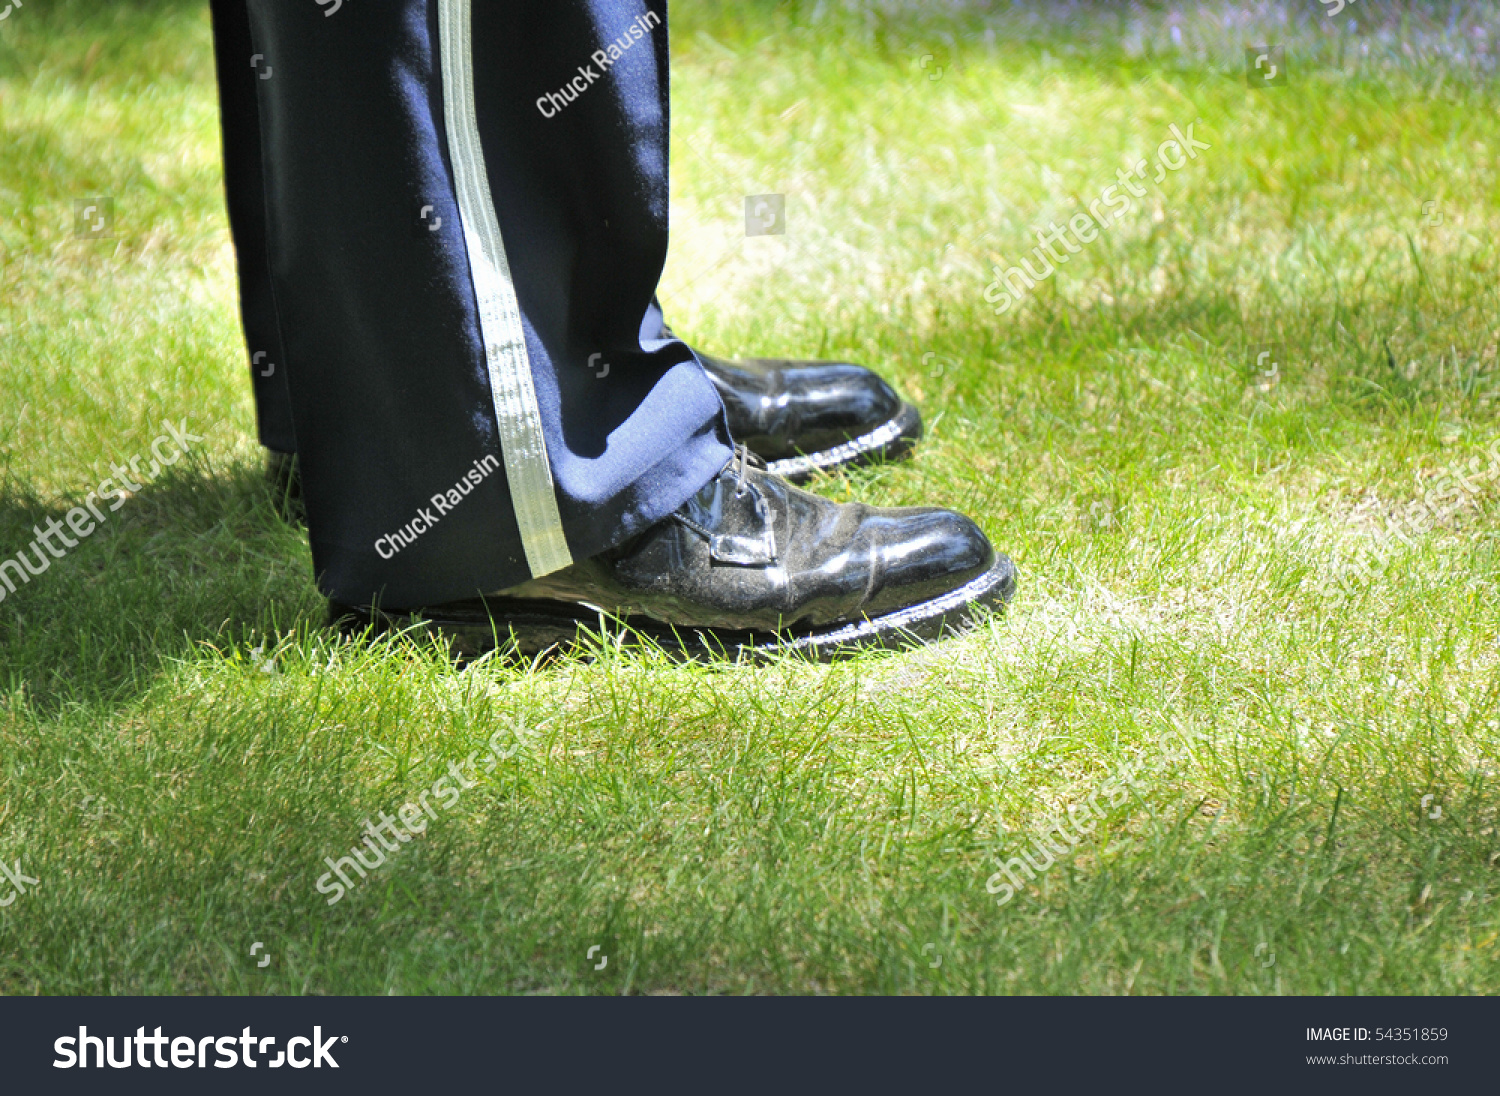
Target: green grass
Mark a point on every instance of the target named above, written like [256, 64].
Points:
[1185, 531]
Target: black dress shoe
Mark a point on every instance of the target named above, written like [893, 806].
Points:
[798, 417]
[806, 417]
[750, 565]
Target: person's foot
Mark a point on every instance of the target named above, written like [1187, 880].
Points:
[799, 417]
[749, 565]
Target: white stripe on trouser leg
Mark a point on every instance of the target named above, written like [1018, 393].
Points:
[520, 421]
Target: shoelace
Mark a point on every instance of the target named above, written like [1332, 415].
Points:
[732, 546]
[742, 461]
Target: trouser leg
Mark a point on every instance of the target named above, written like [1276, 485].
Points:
[246, 200]
[465, 221]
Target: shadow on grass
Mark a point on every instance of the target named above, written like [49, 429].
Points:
[193, 557]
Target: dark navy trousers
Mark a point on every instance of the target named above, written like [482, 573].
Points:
[450, 217]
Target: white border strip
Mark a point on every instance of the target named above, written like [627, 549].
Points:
[516, 413]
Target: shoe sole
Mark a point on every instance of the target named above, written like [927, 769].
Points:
[539, 627]
[890, 441]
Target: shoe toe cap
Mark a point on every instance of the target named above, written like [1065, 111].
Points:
[812, 406]
[925, 554]
[844, 396]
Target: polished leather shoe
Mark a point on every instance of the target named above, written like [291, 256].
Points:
[805, 417]
[749, 566]
[798, 417]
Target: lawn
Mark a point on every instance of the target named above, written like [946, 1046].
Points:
[1243, 446]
